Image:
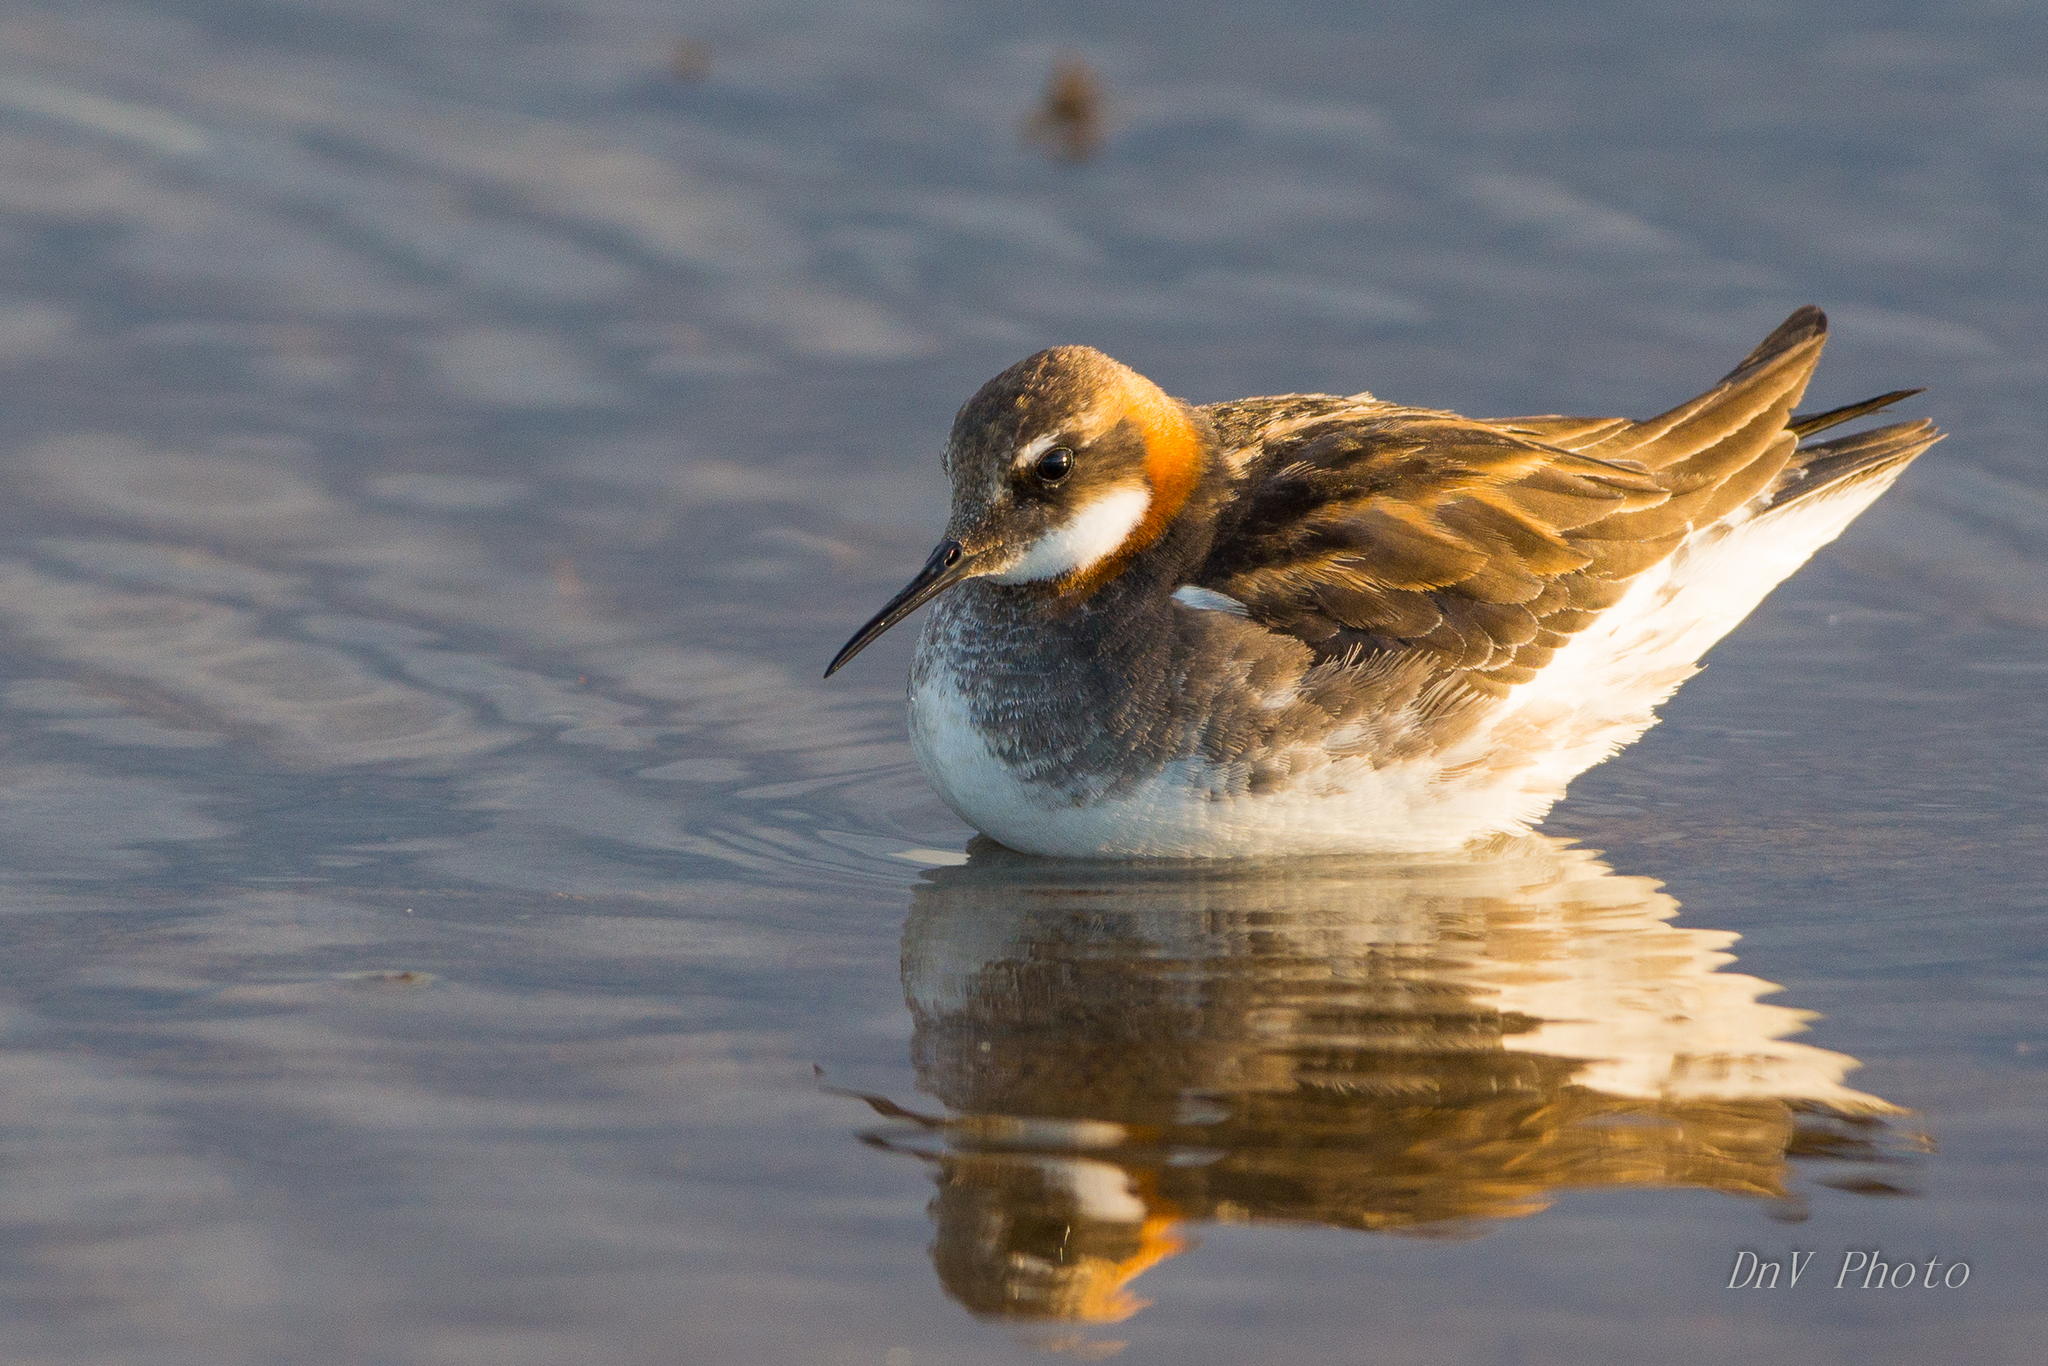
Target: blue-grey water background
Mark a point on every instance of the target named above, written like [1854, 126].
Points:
[447, 920]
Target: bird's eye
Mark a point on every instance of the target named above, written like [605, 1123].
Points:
[1054, 466]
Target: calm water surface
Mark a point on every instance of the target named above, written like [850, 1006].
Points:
[448, 921]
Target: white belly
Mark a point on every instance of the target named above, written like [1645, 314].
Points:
[1352, 808]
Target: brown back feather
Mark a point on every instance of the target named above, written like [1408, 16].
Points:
[1378, 530]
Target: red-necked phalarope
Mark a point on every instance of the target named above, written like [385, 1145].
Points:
[1314, 624]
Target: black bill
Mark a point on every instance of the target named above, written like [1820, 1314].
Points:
[948, 565]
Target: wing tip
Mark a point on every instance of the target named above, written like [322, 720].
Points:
[1807, 424]
[1806, 324]
[1832, 466]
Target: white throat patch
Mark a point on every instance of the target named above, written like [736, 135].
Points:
[1086, 539]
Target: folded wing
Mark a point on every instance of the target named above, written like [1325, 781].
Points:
[1485, 546]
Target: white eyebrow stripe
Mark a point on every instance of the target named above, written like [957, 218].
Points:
[1209, 600]
[1035, 447]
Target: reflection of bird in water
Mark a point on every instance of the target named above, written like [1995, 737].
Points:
[1414, 1046]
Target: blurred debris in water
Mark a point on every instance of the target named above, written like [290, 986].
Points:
[1069, 121]
[388, 977]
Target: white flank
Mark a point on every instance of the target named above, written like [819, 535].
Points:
[1209, 600]
[1086, 539]
[1600, 691]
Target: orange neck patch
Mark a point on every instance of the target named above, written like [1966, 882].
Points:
[1173, 466]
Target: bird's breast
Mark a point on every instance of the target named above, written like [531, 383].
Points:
[977, 745]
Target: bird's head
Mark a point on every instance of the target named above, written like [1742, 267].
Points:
[1064, 467]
